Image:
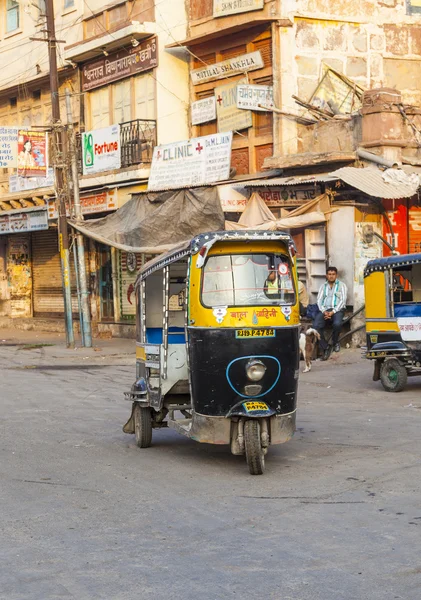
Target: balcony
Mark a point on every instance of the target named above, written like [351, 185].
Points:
[137, 141]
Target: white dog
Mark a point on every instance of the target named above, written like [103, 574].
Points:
[308, 341]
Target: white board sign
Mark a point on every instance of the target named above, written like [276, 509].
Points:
[231, 118]
[227, 68]
[410, 328]
[22, 184]
[23, 221]
[101, 150]
[203, 111]
[251, 97]
[8, 147]
[194, 162]
[221, 8]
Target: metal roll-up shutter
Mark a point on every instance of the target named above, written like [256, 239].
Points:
[46, 274]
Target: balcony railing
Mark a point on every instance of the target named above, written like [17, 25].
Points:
[137, 141]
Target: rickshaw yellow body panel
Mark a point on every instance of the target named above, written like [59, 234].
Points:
[247, 317]
[376, 295]
[382, 326]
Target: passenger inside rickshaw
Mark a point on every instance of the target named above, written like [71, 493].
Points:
[176, 305]
[407, 291]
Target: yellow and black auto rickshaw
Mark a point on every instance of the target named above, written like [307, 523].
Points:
[393, 318]
[217, 354]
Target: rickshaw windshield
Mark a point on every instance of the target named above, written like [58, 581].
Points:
[247, 280]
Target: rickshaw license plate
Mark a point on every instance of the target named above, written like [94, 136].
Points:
[254, 333]
[255, 406]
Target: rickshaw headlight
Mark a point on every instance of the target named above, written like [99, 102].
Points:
[255, 370]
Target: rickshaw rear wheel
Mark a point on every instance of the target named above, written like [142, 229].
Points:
[254, 452]
[393, 375]
[142, 426]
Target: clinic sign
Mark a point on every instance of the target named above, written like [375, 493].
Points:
[203, 111]
[222, 8]
[101, 150]
[194, 162]
[228, 68]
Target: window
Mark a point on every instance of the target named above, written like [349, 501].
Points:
[145, 97]
[13, 101]
[122, 101]
[12, 15]
[68, 4]
[100, 108]
[36, 95]
[247, 280]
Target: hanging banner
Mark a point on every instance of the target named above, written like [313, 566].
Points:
[231, 118]
[190, 163]
[203, 111]
[101, 150]
[221, 8]
[24, 221]
[32, 153]
[226, 68]
[23, 184]
[8, 147]
[119, 65]
[253, 97]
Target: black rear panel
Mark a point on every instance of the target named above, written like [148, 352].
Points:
[218, 369]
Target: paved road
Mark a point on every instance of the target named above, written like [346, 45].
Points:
[87, 515]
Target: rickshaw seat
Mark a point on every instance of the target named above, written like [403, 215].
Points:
[407, 309]
[176, 335]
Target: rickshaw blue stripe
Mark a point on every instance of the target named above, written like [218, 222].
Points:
[253, 356]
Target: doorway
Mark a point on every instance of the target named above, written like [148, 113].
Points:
[106, 283]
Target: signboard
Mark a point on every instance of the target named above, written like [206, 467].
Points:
[203, 111]
[95, 203]
[231, 118]
[288, 195]
[32, 153]
[23, 184]
[23, 221]
[194, 162]
[410, 328]
[250, 97]
[101, 150]
[227, 68]
[221, 8]
[130, 264]
[8, 147]
[121, 64]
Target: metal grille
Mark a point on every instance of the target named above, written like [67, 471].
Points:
[137, 139]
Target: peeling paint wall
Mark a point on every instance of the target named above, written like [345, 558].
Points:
[19, 275]
[374, 43]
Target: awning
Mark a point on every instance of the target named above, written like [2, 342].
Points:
[155, 222]
[390, 184]
[284, 181]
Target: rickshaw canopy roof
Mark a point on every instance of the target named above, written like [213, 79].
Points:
[390, 262]
[195, 245]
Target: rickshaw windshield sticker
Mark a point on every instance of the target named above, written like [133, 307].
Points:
[219, 313]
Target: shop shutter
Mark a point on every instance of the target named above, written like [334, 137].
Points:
[46, 275]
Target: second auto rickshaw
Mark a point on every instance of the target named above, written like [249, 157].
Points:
[393, 318]
[217, 351]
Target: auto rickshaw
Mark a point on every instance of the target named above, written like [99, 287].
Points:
[217, 353]
[393, 318]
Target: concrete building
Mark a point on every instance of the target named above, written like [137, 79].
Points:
[113, 59]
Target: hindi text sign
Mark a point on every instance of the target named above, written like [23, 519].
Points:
[101, 149]
[121, 64]
[221, 8]
[231, 118]
[190, 163]
[253, 97]
[8, 147]
[227, 68]
[203, 111]
[23, 221]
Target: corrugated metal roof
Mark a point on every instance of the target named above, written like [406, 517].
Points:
[373, 181]
[283, 181]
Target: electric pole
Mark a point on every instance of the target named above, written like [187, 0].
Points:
[59, 173]
[85, 317]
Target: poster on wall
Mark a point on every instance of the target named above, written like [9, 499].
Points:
[101, 150]
[32, 149]
[23, 184]
[255, 97]
[203, 111]
[190, 163]
[8, 147]
[367, 247]
[221, 8]
[229, 117]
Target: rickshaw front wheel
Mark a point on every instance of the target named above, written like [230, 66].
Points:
[255, 454]
[393, 375]
[143, 426]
